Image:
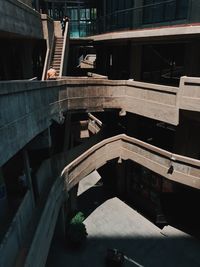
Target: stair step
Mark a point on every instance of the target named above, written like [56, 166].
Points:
[56, 62]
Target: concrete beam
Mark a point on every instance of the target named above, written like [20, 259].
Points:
[158, 33]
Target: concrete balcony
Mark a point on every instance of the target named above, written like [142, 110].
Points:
[28, 108]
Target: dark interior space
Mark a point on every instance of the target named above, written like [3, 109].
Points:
[163, 63]
[21, 59]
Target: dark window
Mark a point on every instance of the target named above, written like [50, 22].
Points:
[156, 11]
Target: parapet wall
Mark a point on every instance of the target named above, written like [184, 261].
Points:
[32, 105]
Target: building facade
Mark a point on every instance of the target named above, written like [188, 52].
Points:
[144, 129]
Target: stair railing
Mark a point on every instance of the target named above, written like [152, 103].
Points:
[65, 48]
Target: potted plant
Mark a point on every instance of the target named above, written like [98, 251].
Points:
[76, 233]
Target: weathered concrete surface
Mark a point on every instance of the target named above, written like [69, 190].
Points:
[28, 107]
[13, 239]
[19, 19]
[185, 170]
[190, 94]
[88, 182]
[115, 225]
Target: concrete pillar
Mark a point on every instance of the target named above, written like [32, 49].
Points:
[28, 174]
[67, 131]
[137, 14]
[135, 61]
[104, 15]
[26, 60]
[60, 230]
[3, 196]
[194, 10]
[192, 59]
[121, 177]
[187, 141]
[37, 6]
[73, 198]
[103, 60]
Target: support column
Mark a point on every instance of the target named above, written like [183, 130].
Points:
[137, 14]
[28, 174]
[189, 130]
[3, 196]
[104, 16]
[60, 230]
[192, 59]
[67, 131]
[121, 177]
[27, 61]
[135, 61]
[73, 198]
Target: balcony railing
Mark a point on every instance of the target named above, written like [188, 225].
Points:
[169, 12]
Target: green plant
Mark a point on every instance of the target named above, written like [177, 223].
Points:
[77, 233]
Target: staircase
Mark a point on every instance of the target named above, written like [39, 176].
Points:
[56, 59]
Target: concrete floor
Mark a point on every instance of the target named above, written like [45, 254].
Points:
[113, 224]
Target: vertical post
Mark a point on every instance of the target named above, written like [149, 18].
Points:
[121, 177]
[28, 174]
[73, 198]
[79, 17]
[3, 195]
[61, 223]
[67, 131]
[104, 16]
[37, 7]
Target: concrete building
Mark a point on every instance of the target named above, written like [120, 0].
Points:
[134, 116]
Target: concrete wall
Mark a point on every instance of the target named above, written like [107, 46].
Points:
[190, 94]
[42, 239]
[12, 241]
[19, 19]
[185, 170]
[33, 105]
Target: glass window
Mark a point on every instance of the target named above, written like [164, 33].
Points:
[182, 9]
[93, 13]
[87, 13]
[82, 14]
[162, 10]
[74, 14]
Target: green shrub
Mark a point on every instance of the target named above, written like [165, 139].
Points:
[77, 233]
